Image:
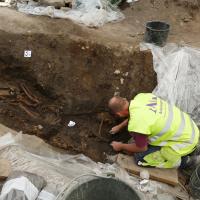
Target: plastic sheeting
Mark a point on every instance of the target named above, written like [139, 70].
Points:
[93, 13]
[31, 154]
[5, 3]
[22, 185]
[178, 76]
[28, 153]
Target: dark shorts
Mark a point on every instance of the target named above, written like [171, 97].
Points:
[140, 156]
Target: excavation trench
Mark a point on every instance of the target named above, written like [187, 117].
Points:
[68, 80]
[74, 70]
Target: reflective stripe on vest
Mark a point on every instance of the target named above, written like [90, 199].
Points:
[180, 144]
[189, 143]
[167, 125]
[177, 147]
[181, 127]
[179, 132]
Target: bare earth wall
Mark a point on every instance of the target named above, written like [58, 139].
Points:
[78, 74]
[76, 78]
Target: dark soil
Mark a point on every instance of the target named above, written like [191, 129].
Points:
[24, 108]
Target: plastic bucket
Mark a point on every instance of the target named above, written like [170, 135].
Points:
[194, 184]
[156, 32]
[99, 189]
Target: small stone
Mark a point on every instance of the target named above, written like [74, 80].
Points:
[83, 48]
[144, 174]
[144, 182]
[40, 127]
[122, 81]
[117, 71]
[71, 124]
[126, 73]
[84, 145]
[117, 88]
[117, 94]
[186, 19]
[49, 65]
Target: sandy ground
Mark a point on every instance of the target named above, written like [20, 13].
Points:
[182, 15]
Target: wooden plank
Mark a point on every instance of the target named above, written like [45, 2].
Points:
[169, 176]
[5, 169]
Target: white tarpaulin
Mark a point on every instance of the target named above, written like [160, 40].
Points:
[5, 3]
[31, 154]
[178, 76]
[93, 13]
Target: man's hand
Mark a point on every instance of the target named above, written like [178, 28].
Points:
[117, 146]
[115, 129]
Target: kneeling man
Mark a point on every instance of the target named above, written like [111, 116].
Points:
[164, 136]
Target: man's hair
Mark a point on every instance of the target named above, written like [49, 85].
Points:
[116, 104]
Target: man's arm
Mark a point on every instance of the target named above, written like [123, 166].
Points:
[120, 126]
[131, 148]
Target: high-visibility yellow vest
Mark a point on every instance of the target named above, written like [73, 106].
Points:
[165, 124]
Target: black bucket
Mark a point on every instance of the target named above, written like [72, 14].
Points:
[92, 188]
[156, 32]
[194, 184]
